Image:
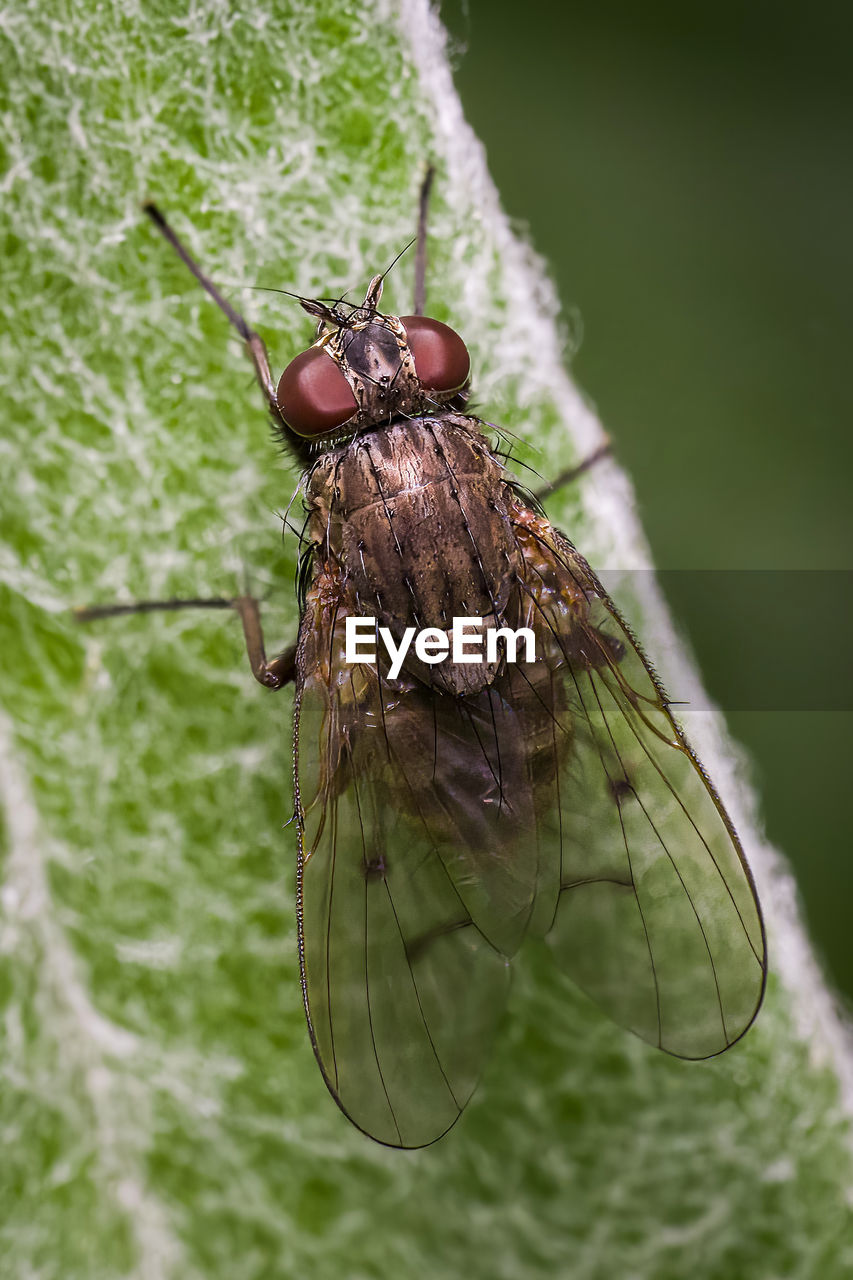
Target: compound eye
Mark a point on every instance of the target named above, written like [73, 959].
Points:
[313, 395]
[441, 358]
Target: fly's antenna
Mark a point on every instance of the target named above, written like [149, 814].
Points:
[300, 298]
[393, 264]
[374, 289]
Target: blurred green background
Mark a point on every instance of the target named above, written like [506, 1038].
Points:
[686, 171]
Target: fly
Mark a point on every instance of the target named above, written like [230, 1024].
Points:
[447, 808]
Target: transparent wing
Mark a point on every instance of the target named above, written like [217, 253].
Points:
[411, 890]
[435, 831]
[657, 918]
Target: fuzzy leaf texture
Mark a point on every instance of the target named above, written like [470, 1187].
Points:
[161, 1114]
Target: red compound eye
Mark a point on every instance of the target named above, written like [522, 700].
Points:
[313, 395]
[441, 358]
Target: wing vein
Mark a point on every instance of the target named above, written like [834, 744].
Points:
[666, 850]
[418, 999]
[370, 1016]
[657, 767]
[627, 849]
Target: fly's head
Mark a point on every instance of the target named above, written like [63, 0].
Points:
[365, 368]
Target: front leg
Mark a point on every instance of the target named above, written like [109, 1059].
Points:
[255, 348]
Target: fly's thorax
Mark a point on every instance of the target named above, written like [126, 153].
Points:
[398, 458]
[417, 516]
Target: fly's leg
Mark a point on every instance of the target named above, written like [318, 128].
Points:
[420, 251]
[272, 674]
[255, 348]
[571, 474]
[281, 670]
